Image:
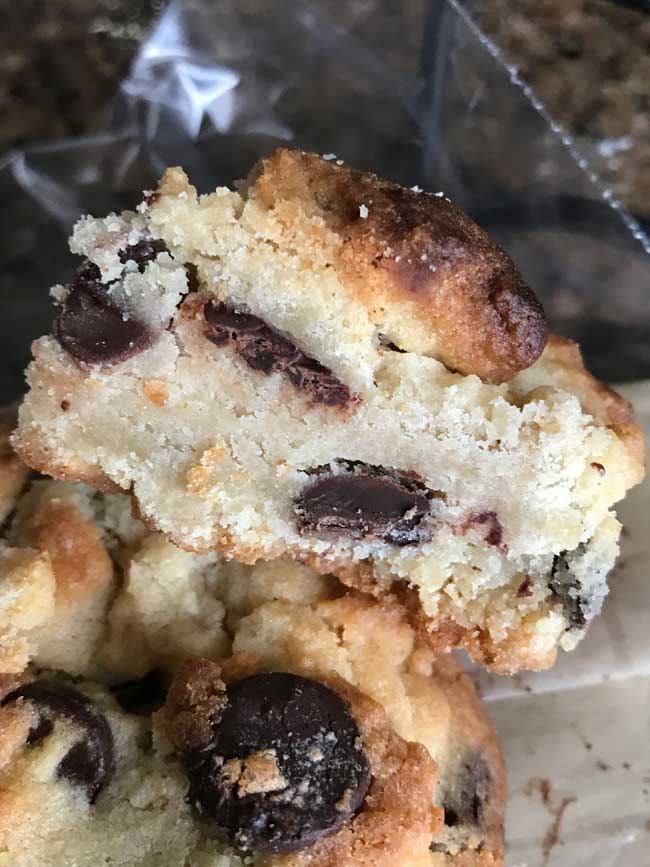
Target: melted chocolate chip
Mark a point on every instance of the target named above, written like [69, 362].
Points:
[526, 588]
[90, 762]
[567, 588]
[261, 347]
[464, 802]
[365, 501]
[285, 767]
[310, 376]
[43, 728]
[493, 529]
[192, 272]
[142, 252]
[265, 349]
[142, 696]
[92, 329]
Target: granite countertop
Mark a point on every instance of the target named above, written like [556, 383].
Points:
[589, 63]
[60, 62]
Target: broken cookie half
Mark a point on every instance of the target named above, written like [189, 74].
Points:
[327, 366]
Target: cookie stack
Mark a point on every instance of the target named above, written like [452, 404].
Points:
[304, 439]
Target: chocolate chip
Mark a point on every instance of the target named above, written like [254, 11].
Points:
[43, 728]
[365, 501]
[142, 252]
[526, 588]
[261, 347]
[285, 766]
[193, 281]
[265, 349]
[493, 529]
[567, 588]
[90, 762]
[92, 329]
[465, 798]
[143, 696]
[309, 375]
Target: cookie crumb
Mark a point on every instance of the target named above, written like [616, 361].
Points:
[552, 837]
[156, 391]
[345, 803]
[213, 456]
[150, 197]
[197, 479]
[255, 774]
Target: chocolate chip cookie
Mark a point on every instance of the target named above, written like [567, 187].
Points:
[313, 742]
[205, 783]
[326, 366]
[82, 782]
[245, 763]
[88, 589]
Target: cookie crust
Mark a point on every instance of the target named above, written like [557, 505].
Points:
[414, 256]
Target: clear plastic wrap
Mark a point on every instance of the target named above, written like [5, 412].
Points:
[417, 93]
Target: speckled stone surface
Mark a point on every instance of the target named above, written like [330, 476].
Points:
[589, 63]
[60, 62]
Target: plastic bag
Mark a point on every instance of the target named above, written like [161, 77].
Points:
[412, 90]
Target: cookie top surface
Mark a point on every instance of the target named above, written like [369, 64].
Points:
[80, 782]
[414, 256]
[81, 778]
